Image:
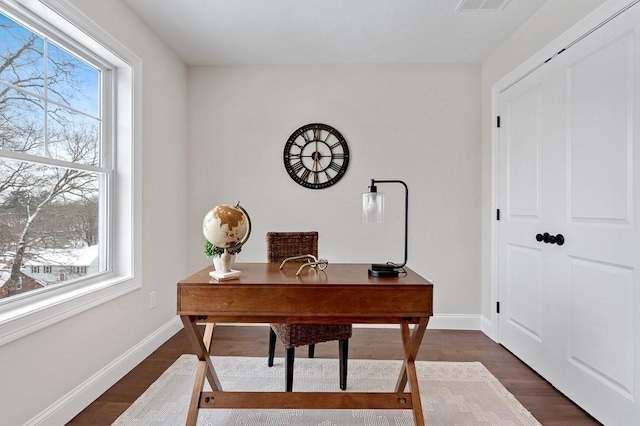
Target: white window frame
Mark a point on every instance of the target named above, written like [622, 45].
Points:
[30, 313]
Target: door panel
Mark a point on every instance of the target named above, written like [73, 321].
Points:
[600, 89]
[602, 348]
[525, 299]
[523, 155]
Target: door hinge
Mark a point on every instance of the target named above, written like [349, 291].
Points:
[498, 121]
[497, 307]
[497, 214]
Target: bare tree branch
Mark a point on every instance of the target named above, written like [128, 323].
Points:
[33, 196]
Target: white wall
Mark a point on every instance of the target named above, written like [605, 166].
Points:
[417, 123]
[553, 19]
[39, 369]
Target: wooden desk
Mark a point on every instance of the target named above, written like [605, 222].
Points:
[343, 293]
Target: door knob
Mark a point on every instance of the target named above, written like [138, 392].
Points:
[550, 239]
[543, 237]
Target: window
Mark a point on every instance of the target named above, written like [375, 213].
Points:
[53, 167]
[69, 177]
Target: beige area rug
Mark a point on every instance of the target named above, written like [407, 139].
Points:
[453, 393]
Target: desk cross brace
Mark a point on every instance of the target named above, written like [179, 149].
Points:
[310, 400]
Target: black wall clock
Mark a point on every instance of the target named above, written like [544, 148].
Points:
[316, 156]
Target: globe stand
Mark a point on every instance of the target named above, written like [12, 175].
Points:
[224, 276]
[227, 273]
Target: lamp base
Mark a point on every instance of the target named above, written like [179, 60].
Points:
[384, 271]
[383, 274]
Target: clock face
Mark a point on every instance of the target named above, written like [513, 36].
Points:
[316, 156]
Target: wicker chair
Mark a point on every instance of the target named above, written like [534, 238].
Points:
[281, 245]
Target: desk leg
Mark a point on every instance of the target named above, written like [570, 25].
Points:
[411, 345]
[205, 366]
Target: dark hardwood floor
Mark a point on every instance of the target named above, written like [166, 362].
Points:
[548, 405]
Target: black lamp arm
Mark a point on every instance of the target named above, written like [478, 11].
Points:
[373, 188]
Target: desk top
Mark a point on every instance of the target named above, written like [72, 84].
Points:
[341, 293]
[335, 274]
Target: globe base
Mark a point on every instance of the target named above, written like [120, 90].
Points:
[224, 276]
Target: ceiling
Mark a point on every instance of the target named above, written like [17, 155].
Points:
[234, 32]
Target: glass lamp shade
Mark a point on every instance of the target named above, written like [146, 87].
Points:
[372, 207]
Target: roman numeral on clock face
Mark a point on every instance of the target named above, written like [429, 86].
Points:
[296, 167]
[335, 166]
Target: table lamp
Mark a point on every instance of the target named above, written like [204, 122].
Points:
[373, 212]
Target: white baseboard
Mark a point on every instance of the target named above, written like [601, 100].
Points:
[440, 322]
[67, 407]
[78, 399]
[487, 328]
[437, 322]
[455, 322]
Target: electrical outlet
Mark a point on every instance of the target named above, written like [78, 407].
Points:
[152, 300]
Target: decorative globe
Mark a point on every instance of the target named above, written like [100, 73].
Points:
[227, 226]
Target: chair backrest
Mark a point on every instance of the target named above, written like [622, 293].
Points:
[281, 245]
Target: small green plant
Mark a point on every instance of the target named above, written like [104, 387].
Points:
[212, 251]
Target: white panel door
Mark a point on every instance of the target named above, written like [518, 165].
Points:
[531, 203]
[571, 167]
[520, 274]
[600, 291]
